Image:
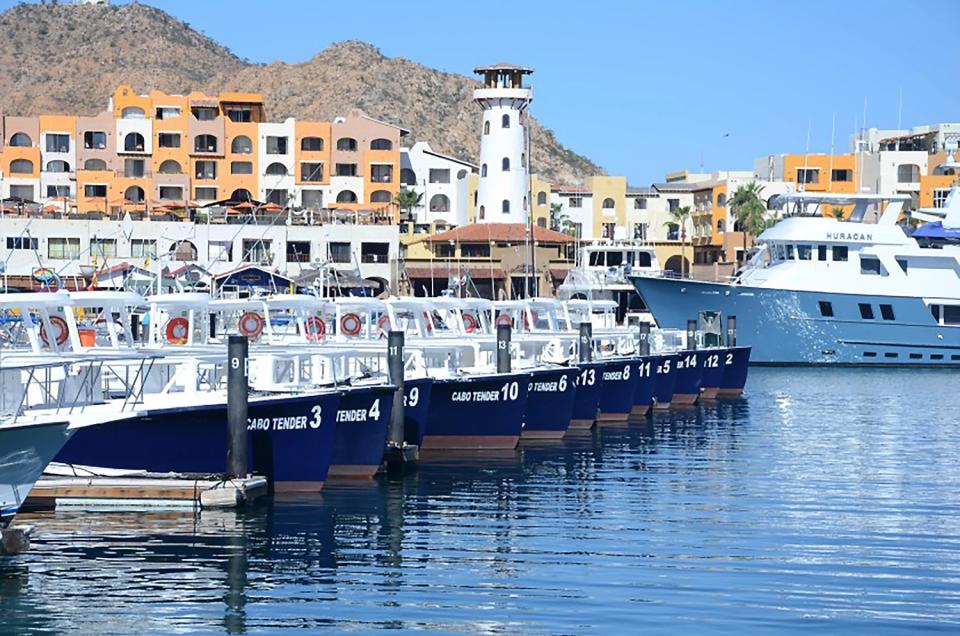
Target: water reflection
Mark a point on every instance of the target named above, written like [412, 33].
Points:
[796, 506]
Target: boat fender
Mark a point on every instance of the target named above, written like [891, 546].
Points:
[351, 324]
[60, 327]
[250, 324]
[176, 330]
[316, 328]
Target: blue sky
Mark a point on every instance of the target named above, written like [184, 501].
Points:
[644, 88]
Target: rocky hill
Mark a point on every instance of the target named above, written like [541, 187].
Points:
[58, 58]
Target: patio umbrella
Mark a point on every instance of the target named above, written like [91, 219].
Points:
[271, 207]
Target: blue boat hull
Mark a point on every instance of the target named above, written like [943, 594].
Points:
[686, 390]
[360, 438]
[290, 440]
[586, 401]
[550, 397]
[736, 361]
[476, 412]
[712, 363]
[788, 328]
[646, 381]
[416, 408]
[25, 451]
[665, 380]
[619, 383]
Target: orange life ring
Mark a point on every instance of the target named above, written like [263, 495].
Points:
[62, 331]
[177, 330]
[316, 328]
[426, 318]
[250, 324]
[469, 323]
[383, 325]
[351, 324]
[505, 319]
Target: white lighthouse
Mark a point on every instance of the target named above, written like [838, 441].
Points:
[502, 193]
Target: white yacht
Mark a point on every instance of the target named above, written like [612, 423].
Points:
[602, 272]
[869, 290]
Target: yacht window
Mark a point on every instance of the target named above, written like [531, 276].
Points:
[916, 356]
[643, 259]
[614, 258]
[821, 252]
[870, 265]
[804, 252]
[890, 354]
[778, 252]
[866, 311]
[935, 312]
[596, 258]
[951, 314]
[789, 251]
[886, 312]
[839, 252]
[826, 309]
[869, 354]
[902, 262]
[936, 356]
[955, 357]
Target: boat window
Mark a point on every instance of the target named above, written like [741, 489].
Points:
[902, 262]
[839, 252]
[596, 258]
[936, 356]
[955, 357]
[643, 259]
[886, 312]
[869, 354]
[935, 311]
[916, 356]
[869, 265]
[777, 252]
[614, 258]
[821, 252]
[951, 314]
[866, 311]
[804, 252]
[826, 309]
[891, 354]
[789, 251]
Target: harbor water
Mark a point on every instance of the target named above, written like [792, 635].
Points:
[825, 499]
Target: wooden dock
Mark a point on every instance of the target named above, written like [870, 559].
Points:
[143, 492]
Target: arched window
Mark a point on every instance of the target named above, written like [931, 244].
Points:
[505, 206]
[240, 195]
[439, 203]
[132, 112]
[134, 194]
[737, 226]
[721, 226]
[506, 164]
[133, 142]
[170, 167]
[542, 222]
[276, 169]
[381, 196]
[486, 128]
[94, 164]
[204, 143]
[346, 196]
[482, 212]
[20, 140]
[461, 174]
[347, 143]
[311, 144]
[483, 170]
[381, 144]
[408, 176]
[609, 204]
[541, 198]
[21, 166]
[639, 203]
[241, 145]
[58, 166]
[721, 200]
[908, 173]
[183, 251]
[505, 121]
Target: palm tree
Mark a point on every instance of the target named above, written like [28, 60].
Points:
[557, 216]
[837, 213]
[750, 212]
[408, 200]
[679, 217]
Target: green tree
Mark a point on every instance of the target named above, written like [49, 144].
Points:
[837, 213]
[679, 217]
[408, 200]
[749, 210]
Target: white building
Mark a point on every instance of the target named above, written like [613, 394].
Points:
[275, 158]
[442, 180]
[504, 177]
